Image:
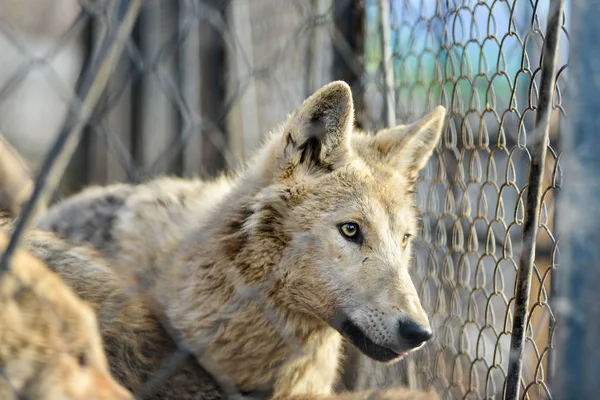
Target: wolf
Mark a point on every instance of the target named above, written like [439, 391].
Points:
[138, 344]
[50, 347]
[265, 271]
[16, 184]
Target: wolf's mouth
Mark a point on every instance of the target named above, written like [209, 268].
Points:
[352, 332]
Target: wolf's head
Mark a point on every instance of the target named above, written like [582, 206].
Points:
[342, 204]
[50, 345]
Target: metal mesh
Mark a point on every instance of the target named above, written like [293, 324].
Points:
[482, 61]
[200, 82]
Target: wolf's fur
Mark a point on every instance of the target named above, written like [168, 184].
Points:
[50, 347]
[272, 232]
[134, 339]
[15, 183]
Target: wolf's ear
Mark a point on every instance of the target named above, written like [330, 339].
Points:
[409, 147]
[318, 132]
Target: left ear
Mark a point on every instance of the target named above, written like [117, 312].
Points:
[409, 147]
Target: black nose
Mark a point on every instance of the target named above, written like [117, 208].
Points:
[414, 334]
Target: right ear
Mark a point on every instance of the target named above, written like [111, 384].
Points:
[409, 147]
[317, 134]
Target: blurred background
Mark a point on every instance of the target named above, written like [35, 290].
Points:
[200, 82]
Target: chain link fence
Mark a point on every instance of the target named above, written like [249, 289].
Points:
[195, 84]
[483, 60]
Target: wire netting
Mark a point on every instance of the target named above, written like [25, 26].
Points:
[482, 60]
[200, 82]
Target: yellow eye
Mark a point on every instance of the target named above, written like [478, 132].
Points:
[405, 239]
[349, 230]
[82, 359]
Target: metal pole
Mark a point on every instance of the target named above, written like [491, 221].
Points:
[387, 63]
[578, 280]
[539, 148]
[320, 47]
[190, 85]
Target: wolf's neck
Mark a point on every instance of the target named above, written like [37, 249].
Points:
[236, 256]
[226, 290]
[243, 239]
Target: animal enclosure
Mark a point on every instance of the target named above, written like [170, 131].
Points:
[97, 92]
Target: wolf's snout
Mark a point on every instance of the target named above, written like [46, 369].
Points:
[414, 334]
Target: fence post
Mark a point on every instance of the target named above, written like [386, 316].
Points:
[538, 150]
[190, 86]
[387, 63]
[244, 118]
[320, 47]
[347, 41]
[212, 96]
[157, 119]
[578, 288]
